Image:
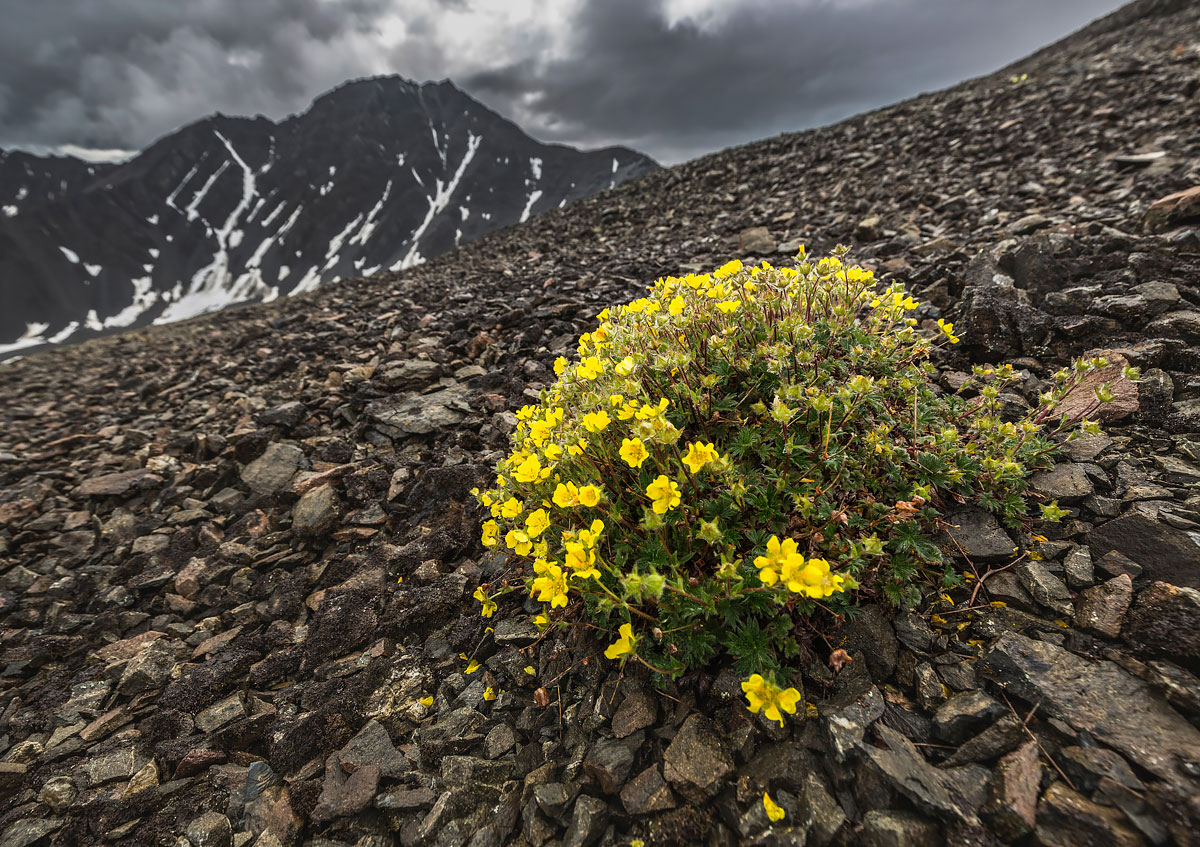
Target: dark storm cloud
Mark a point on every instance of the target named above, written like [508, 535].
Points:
[765, 67]
[119, 73]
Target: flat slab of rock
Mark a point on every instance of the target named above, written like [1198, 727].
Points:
[273, 469]
[1167, 618]
[978, 534]
[1081, 402]
[697, 762]
[1098, 697]
[420, 414]
[1166, 553]
[119, 484]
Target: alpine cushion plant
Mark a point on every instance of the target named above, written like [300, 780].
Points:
[738, 456]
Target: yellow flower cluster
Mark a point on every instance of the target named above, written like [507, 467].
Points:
[807, 577]
[767, 697]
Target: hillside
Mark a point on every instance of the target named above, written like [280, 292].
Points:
[378, 173]
[238, 551]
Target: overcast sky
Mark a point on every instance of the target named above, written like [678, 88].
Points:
[672, 78]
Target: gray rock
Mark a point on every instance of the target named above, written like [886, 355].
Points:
[1011, 807]
[931, 693]
[697, 763]
[1167, 554]
[420, 414]
[898, 829]
[846, 727]
[1087, 767]
[977, 534]
[818, 806]
[647, 792]
[1087, 447]
[121, 763]
[220, 713]
[637, 711]
[1081, 401]
[1002, 737]
[1077, 565]
[23, 833]
[757, 240]
[868, 229]
[58, 793]
[373, 746]
[1096, 697]
[1166, 618]
[1067, 819]
[286, 415]
[1028, 224]
[552, 798]
[871, 634]
[1177, 471]
[343, 796]
[211, 829]
[316, 513]
[274, 469]
[952, 795]
[1101, 608]
[1065, 482]
[409, 373]
[965, 714]
[1044, 587]
[119, 484]
[516, 632]
[610, 761]
[500, 739]
[587, 822]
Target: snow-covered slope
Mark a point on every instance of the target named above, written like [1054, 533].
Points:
[377, 174]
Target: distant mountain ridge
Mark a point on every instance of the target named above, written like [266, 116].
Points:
[377, 174]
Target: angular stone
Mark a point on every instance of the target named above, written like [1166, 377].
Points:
[422, 414]
[637, 711]
[24, 833]
[1002, 737]
[953, 795]
[1101, 608]
[1100, 698]
[1077, 565]
[516, 632]
[1011, 808]
[978, 535]
[1172, 209]
[274, 469]
[220, 713]
[610, 762]
[647, 792]
[316, 513]
[116, 764]
[1067, 819]
[58, 793]
[1166, 618]
[845, 727]
[1065, 482]
[1044, 587]
[757, 240]
[587, 822]
[697, 762]
[964, 714]
[119, 484]
[897, 829]
[343, 796]
[211, 829]
[1167, 554]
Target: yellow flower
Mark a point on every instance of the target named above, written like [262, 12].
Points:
[775, 812]
[537, 523]
[489, 693]
[529, 470]
[560, 365]
[596, 421]
[622, 645]
[518, 542]
[780, 555]
[625, 366]
[426, 702]
[553, 452]
[566, 495]
[664, 493]
[472, 666]
[948, 330]
[489, 605]
[590, 367]
[728, 306]
[634, 452]
[676, 307]
[699, 455]
[581, 560]
[491, 534]
[512, 507]
[589, 495]
[767, 697]
[552, 586]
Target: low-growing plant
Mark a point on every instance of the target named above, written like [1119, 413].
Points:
[738, 454]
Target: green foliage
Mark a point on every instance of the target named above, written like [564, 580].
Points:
[740, 454]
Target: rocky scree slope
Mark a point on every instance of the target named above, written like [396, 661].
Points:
[203, 526]
[379, 173]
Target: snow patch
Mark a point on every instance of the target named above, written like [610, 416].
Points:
[191, 210]
[153, 251]
[535, 165]
[533, 198]
[143, 299]
[438, 203]
[94, 270]
[152, 220]
[32, 337]
[71, 255]
[368, 227]
[10, 211]
[64, 333]
[171, 197]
